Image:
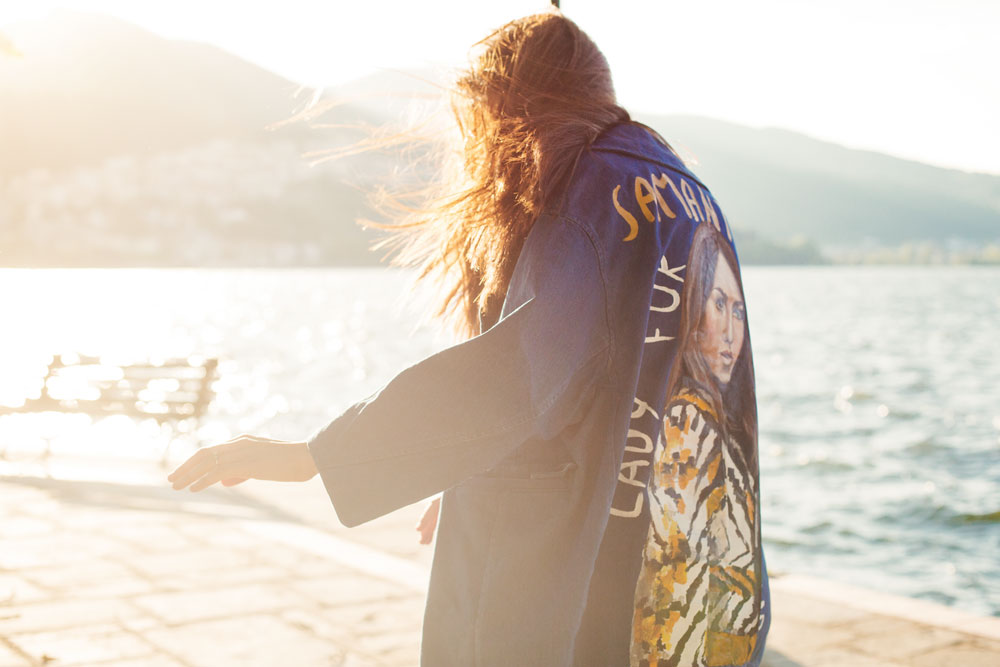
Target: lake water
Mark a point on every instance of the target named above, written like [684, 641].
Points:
[879, 392]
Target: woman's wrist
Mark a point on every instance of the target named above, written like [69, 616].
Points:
[306, 463]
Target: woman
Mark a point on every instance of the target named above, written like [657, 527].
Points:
[560, 241]
[703, 547]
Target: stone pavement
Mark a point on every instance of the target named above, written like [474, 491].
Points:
[101, 563]
[130, 572]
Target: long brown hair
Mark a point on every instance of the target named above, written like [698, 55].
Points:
[735, 403]
[538, 94]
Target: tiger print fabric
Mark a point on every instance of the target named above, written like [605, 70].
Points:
[696, 601]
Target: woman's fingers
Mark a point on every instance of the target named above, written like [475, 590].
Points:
[215, 462]
[195, 467]
[180, 470]
[218, 468]
[233, 481]
[213, 476]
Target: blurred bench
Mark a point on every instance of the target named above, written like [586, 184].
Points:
[168, 390]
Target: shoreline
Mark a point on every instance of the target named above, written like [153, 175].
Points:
[889, 604]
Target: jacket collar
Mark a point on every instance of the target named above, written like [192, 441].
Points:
[632, 140]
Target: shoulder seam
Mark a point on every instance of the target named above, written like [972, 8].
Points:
[602, 273]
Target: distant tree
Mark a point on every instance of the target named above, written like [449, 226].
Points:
[757, 249]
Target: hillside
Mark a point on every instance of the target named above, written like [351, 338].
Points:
[782, 184]
[87, 87]
[124, 148]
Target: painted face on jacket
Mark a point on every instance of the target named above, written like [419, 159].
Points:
[723, 323]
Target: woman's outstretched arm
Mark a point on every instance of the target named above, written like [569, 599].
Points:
[458, 412]
[242, 458]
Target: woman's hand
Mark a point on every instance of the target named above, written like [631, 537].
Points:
[242, 458]
[428, 522]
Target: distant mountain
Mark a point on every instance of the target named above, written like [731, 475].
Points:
[784, 185]
[119, 147]
[87, 87]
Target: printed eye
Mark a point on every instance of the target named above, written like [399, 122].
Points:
[720, 304]
[739, 314]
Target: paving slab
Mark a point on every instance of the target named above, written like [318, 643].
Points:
[909, 640]
[10, 658]
[163, 566]
[63, 614]
[84, 570]
[16, 589]
[57, 549]
[200, 579]
[347, 589]
[248, 640]
[84, 645]
[824, 623]
[158, 660]
[176, 607]
[973, 654]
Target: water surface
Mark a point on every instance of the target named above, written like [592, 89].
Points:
[879, 392]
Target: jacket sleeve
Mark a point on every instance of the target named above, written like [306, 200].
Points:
[461, 411]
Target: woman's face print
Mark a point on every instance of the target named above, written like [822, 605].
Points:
[723, 323]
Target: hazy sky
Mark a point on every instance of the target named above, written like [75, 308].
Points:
[913, 78]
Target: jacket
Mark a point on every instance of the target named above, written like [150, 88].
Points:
[540, 430]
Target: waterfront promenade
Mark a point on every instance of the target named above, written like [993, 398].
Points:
[101, 563]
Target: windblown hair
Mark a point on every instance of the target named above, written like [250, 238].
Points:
[735, 403]
[533, 101]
